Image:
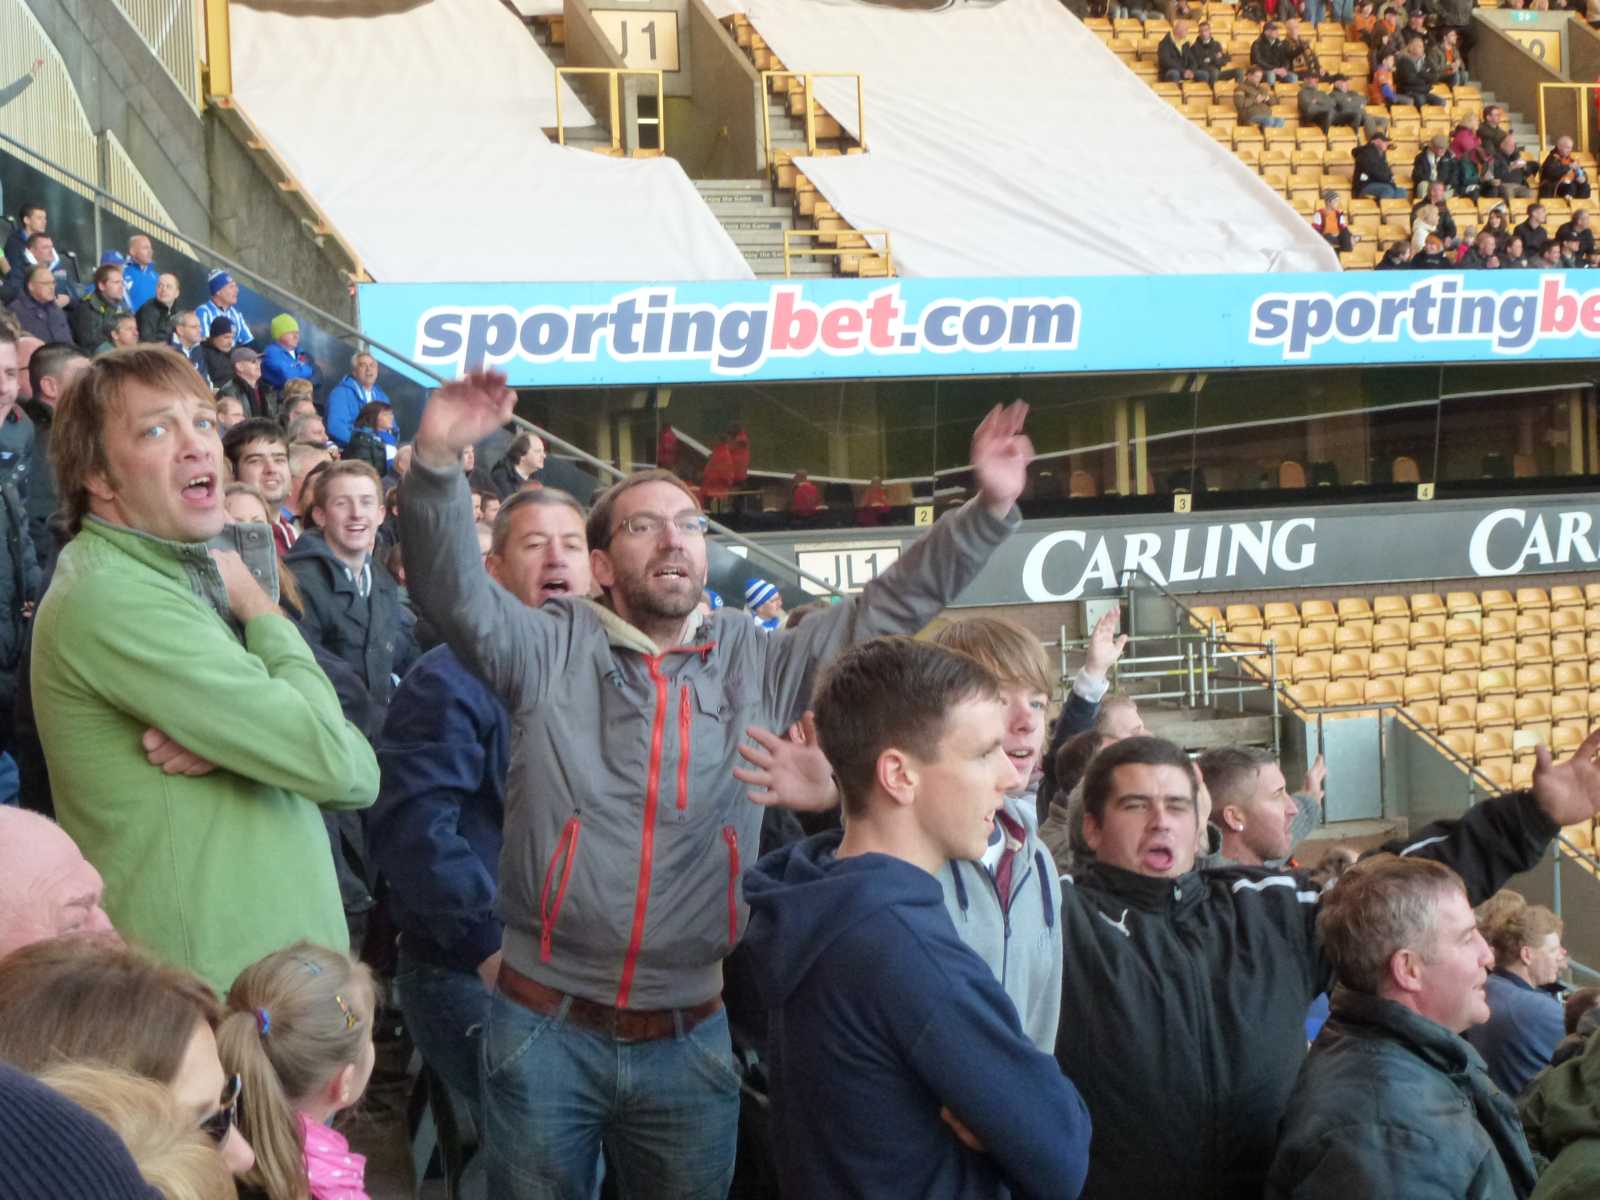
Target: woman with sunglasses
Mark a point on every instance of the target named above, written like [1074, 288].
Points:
[91, 999]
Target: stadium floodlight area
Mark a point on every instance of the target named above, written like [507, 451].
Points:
[420, 133]
[1004, 139]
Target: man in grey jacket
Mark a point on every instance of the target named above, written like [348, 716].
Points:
[625, 827]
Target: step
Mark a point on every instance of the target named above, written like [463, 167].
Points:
[1195, 730]
[801, 270]
[731, 185]
[740, 227]
[737, 200]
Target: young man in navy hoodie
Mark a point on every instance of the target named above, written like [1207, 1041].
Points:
[898, 1064]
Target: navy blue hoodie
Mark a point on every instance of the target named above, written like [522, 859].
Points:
[879, 1017]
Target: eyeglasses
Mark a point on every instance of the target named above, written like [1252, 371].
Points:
[651, 524]
[217, 1125]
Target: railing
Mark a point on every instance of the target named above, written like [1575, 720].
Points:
[345, 330]
[865, 248]
[1545, 141]
[172, 30]
[806, 78]
[614, 89]
[49, 108]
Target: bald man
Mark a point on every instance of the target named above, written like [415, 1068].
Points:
[47, 888]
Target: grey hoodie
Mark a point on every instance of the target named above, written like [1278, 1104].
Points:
[625, 829]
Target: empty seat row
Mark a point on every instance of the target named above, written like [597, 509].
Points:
[1418, 606]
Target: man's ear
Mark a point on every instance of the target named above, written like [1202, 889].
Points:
[99, 486]
[1405, 970]
[600, 568]
[897, 774]
[1093, 831]
[1233, 817]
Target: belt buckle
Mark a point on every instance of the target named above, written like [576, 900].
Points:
[628, 1026]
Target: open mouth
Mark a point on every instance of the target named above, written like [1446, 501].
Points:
[670, 572]
[555, 585]
[1159, 858]
[200, 489]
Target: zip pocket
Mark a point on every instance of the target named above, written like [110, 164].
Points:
[730, 836]
[566, 853]
[685, 723]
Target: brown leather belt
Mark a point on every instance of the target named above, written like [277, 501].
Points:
[620, 1024]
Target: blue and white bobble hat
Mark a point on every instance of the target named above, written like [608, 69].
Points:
[714, 599]
[757, 592]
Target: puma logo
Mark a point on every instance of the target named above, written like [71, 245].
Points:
[1120, 924]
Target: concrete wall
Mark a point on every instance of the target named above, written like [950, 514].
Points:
[723, 138]
[1514, 75]
[1583, 63]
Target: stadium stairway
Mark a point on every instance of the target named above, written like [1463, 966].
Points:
[749, 210]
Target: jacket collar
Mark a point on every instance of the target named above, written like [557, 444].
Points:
[1518, 980]
[1430, 1041]
[1149, 893]
[312, 545]
[622, 635]
[190, 562]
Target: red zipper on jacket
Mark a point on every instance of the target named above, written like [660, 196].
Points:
[731, 836]
[684, 719]
[652, 796]
[566, 844]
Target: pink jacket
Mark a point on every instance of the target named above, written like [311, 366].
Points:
[334, 1172]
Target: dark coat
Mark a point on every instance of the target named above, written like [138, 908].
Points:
[1585, 236]
[1209, 55]
[47, 321]
[1534, 238]
[1372, 166]
[1170, 56]
[218, 363]
[1447, 223]
[1412, 78]
[372, 633]
[1187, 998]
[155, 322]
[1524, 1027]
[1391, 1104]
[92, 319]
[21, 579]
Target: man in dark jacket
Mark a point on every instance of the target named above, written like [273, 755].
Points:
[1577, 227]
[435, 831]
[20, 577]
[216, 352]
[36, 309]
[258, 399]
[51, 369]
[1153, 944]
[1509, 171]
[1446, 228]
[352, 603]
[861, 969]
[1412, 78]
[1435, 164]
[1392, 1101]
[1533, 231]
[1562, 175]
[93, 318]
[156, 315]
[522, 462]
[1208, 57]
[1174, 54]
[1272, 54]
[1558, 1112]
[1373, 176]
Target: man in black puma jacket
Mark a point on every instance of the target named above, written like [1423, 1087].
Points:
[1184, 992]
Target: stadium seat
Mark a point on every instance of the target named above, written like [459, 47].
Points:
[1496, 682]
[1566, 620]
[1462, 629]
[1391, 608]
[1422, 660]
[1316, 637]
[1243, 614]
[1499, 654]
[1497, 772]
[1491, 744]
[1205, 615]
[1532, 599]
[1426, 604]
[1382, 691]
[1425, 713]
[1463, 604]
[1570, 678]
[1427, 632]
[1533, 680]
[1458, 715]
[1351, 665]
[1285, 637]
[1533, 622]
[1498, 629]
[1458, 742]
[1307, 667]
[1344, 691]
[1386, 662]
[1591, 594]
[1522, 774]
[1570, 707]
[1564, 739]
[1533, 717]
[1495, 714]
[1308, 694]
[1391, 635]
[1351, 608]
[1466, 656]
[1279, 613]
[1591, 620]
[1244, 635]
[1533, 651]
[1320, 612]
[1355, 636]
[1581, 836]
[1421, 687]
[1458, 685]
[1498, 601]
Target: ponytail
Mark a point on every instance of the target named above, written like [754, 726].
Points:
[295, 1020]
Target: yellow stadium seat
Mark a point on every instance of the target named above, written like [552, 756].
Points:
[1467, 656]
[1533, 680]
[1570, 706]
[1594, 705]
[1591, 619]
[1344, 691]
[1422, 660]
[1499, 654]
[1353, 608]
[1426, 604]
[1458, 742]
[1382, 691]
[1386, 662]
[1421, 687]
[1355, 636]
[1458, 715]
[1351, 665]
[1462, 629]
[1425, 713]
[1244, 635]
[1499, 629]
[1284, 637]
[1533, 651]
[1535, 622]
[1388, 635]
[1495, 714]
[1498, 772]
[1591, 594]
[1279, 613]
[1310, 667]
[1532, 599]
[1591, 646]
[1205, 615]
[1463, 604]
[1497, 601]
[1428, 632]
[1565, 596]
[1567, 650]
[1491, 744]
[1308, 694]
[1243, 614]
[1391, 608]
[1456, 685]
[1570, 678]
[1564, 739]
[1566, 620]
[1314, 638]
[1522, 774]
[1495, 682]
[1318, 612]
[1533, 716]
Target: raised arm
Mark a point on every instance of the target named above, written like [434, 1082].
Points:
[510, 645]
[931, 574]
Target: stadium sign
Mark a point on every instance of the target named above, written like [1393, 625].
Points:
[620, 335]
[1305, 547]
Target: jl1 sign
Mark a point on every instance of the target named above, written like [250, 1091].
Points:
[848, 567]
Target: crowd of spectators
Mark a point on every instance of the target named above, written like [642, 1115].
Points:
[322, 735]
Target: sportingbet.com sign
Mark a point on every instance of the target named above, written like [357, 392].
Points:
[567, 335]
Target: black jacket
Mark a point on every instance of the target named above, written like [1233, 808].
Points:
[1412, 78]
[1585, 237]
[1210, 55]
[92, 319]
[155, 322]
[1534, 238]
[41, 479]
[1444, 169]
[1371, 164]
[1446, 228]
[1184, 1000]
[1269, 55]
[1391, 1104]
[504, 479]
[372, 633]
[47, 322]
[1172, 57]
[218, 363]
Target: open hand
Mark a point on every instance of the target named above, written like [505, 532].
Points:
[1105, 644]
[161, 751]
[1315, 775]
[1568, 792]
[1001, 453]
[790, 772]
[462, 414]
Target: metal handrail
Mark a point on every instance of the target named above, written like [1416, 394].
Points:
[837, 251]
[1583, 112]
[339, 325]
[811, 116]
[614, 84]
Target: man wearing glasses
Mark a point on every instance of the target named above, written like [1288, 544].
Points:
[625, 829]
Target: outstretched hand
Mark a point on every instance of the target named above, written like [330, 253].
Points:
[789, 772]
[1569, 792]
[1001, 453]
[1105, 644]
[462, 414]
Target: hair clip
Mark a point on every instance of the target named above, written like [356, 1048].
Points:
[263, 1022]
[350, 1018]
[310, 966]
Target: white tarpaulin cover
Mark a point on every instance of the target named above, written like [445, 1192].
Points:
[419, 133]
[1004, 139]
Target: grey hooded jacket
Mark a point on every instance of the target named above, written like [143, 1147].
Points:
[625, 830]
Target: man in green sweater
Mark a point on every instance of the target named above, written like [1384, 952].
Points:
[190, 734]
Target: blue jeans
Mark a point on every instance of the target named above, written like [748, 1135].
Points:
[1380, 191]
[445, 1012]
[667, 1111]
[1266, 122]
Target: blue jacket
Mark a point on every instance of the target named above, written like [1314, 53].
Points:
[279, 365]
[345, 401]
[879, 1018]
[1521, 1033]
[140, 283]
[435, 831]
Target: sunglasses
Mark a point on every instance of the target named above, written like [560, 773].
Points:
[217, 1125]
